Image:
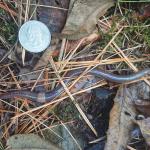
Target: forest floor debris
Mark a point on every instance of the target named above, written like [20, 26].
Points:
[121, 45]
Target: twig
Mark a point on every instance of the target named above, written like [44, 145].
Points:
[72, 98]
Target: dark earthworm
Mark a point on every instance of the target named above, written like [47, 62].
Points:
[120, 78]
[43, 97]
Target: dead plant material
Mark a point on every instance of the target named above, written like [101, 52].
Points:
[123, 47]
[5, 7]
[144, 125]
[123, 116]
[83, 17]
[54, 18]
[120, 123]
[30, 142]
[69, 46]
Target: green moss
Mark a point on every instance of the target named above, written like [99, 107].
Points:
[146, 36]
[66, 111]
[8, 29]
[137, 31]
[1, 146]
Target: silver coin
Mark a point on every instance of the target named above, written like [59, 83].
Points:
[34, 36]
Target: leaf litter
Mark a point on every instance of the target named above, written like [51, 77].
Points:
[117, 42]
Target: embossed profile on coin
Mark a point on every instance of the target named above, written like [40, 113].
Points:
[34, 36]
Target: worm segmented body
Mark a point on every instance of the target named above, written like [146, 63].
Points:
[43, 97]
